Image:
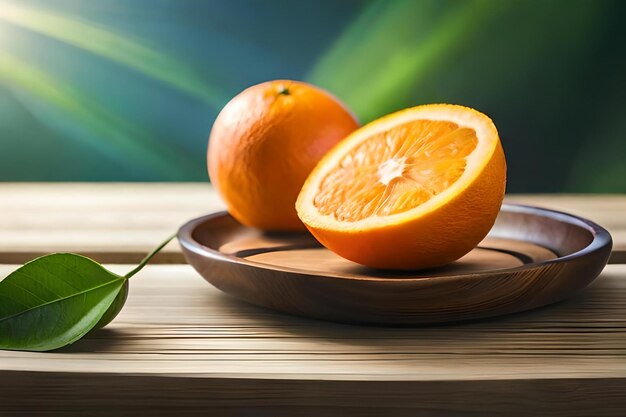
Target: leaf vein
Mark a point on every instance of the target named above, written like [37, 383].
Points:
[59, 300]
[20, 272]
[17, 285]
[60, 278]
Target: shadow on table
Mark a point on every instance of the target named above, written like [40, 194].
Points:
[97, 341]
[575, 318]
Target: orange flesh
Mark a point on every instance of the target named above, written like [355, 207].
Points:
[396, 170]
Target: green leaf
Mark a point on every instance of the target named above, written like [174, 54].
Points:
[55, 300]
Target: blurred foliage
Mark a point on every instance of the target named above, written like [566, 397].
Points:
[128, 89]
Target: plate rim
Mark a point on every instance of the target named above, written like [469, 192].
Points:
[601, 239]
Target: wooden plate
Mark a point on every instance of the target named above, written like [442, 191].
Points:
[531, 257]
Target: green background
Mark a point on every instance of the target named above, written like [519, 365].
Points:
[127, 90]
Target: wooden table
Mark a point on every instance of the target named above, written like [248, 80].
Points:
[180, 347]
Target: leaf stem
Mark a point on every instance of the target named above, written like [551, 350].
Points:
[149, 257]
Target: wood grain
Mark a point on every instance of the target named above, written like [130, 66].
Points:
[106, 395]
[181, 347]
[121, 222]
[607, 210]
[116, 223]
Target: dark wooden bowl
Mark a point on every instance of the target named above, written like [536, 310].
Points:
[531, 257]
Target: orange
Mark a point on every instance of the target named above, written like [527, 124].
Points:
[415, 189]
[264, 144]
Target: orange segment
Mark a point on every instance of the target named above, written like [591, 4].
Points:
[415, 189]
[396, 170]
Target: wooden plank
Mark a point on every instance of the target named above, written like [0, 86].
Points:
[119, 223]
[136, 395]
[181, 343]
[175, 322]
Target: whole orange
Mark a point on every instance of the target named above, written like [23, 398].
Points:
[264, 144]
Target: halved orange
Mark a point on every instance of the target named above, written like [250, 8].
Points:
[415, 189]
